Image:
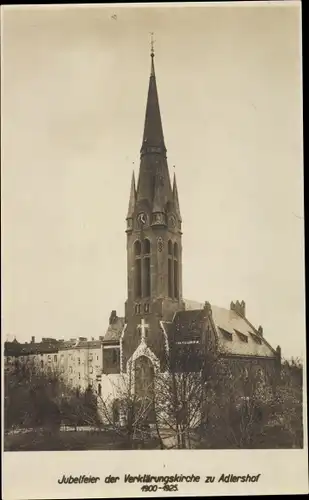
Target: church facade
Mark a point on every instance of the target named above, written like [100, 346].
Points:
[158, 321]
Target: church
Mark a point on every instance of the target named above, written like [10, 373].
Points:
[157, 319]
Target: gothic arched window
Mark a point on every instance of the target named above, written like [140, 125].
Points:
[170, 268]
[170, 247]
[137, 248]
[137, 269]
[146, 268]
[176, 279]
[146, 246]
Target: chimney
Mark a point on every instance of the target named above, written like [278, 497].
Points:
[113, 317]
[207, 308]
[32, 340]
[239, 308]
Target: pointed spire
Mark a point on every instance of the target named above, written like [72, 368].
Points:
[132, 199]
[153, 131]
[154, 184]
[159, 199]
[175, 197]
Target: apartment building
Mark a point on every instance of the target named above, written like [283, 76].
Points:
[78, 362]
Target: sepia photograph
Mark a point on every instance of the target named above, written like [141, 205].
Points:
[153, 291]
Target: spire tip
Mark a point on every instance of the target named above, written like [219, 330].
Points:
[152, 44]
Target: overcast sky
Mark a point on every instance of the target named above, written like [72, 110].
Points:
[74, 87]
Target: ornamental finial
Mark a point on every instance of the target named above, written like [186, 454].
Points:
[152, 41]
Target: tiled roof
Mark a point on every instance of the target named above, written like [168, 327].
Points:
[245, 341]
[114, 331]
[235, 334]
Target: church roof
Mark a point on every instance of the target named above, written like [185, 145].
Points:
[235, 334]
[114, 331]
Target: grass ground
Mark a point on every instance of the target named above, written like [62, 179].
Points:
[57, 441]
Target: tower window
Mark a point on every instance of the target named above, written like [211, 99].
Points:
[170, 277]
[176, 282]
[146, 245]
[146, 276]
[170, 248]
[138, 269]
[175, 251]
[137, 248]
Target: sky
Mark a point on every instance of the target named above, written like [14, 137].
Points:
[74, 88]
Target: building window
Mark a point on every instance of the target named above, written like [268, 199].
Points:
[78, 361]
[70, 369]
[146, 264]
[97, 358]
[176, 283]
[55, 358]
[137, 269]
[146, 246]
[79, 376]
[90, 369]
[90, 356]
[146, 276]
[99, 389]
[42, 364]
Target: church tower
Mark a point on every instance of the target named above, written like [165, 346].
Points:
[154, 249]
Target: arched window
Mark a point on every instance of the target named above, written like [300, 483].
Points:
[137, 269]
[137, 248]
[170, 248]
[146, 245]
[170, 268]
[146, 268]
[176, 281]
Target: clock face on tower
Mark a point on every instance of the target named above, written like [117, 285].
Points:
[142, 219]
[172, 221]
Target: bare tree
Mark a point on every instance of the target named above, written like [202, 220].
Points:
[181, 393]
[126, 412]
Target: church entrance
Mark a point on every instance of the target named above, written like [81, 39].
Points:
[144, 387]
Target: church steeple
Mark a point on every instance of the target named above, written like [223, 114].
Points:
[154, 183]
[153, 130]
[154, 239]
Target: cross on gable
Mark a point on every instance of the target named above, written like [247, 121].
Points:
[143, 328]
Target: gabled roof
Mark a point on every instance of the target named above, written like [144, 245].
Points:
[235, 334]
[114, 331]
[245, 340]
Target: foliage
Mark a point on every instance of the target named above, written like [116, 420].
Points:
[249, 412]
[37, 399]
